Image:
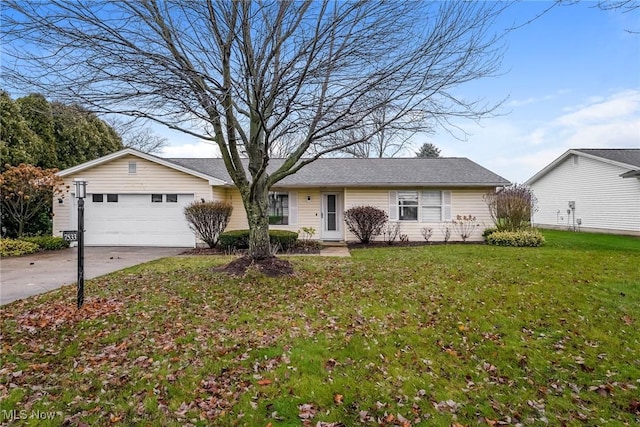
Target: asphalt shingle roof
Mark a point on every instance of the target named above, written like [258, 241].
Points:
[630, 156]
[443, 171]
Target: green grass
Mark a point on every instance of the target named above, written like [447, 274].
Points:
[433, 335]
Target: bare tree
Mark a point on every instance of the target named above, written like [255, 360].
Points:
[386, 138]
[246, 75]
[136, 135]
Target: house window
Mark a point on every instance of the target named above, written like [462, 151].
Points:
[422, 206]
[172, 198]
[132, 167]
[408, 205]
[97, 198]
[431, 206]
[112, 198]
[156, 198]
[278, 208]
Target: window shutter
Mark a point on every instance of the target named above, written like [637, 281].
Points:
[293, 208]
[393, 205]
[446, 205]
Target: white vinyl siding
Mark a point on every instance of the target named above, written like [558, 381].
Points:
[603, 200]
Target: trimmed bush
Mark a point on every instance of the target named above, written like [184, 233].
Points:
[236, 239]
[488, 231]
[239, 239]
[365, 222]
[10, 247]
[48, 243]
[521, 238]
[283, 238]
[208, 219]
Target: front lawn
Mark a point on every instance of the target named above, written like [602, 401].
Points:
[435, 335]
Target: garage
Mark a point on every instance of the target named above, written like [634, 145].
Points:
[156, 219]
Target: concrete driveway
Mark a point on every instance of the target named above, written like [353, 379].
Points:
[21, 277]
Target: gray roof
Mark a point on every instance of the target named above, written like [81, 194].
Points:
[630, 156]
[442, 171]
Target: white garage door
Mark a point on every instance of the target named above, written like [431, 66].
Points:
[136, 220]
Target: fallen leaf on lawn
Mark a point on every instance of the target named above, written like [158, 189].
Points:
[264, 382]
[307, 411]
[337, 399]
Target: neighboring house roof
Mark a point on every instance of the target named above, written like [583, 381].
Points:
[628, 158]
[130, 151]
[369, 172]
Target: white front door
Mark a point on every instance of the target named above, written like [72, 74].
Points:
[332, 216]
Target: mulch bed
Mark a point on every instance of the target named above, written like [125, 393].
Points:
[397, 244]
[303, 250]
[271, 267]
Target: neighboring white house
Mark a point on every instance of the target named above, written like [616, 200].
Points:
[590, 189]
[136, 199]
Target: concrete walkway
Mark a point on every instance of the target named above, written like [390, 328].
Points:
[335, 249]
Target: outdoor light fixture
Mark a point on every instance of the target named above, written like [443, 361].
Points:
[308, 198]
[81, 193]
[81, 188]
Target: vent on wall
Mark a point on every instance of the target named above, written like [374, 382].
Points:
[576, 160]
[132, 167]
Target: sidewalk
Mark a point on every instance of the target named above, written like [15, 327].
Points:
[334, 249]
[341, 251]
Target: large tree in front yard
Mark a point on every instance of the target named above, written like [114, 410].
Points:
[248, 75]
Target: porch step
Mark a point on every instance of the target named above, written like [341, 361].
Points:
[333, 244]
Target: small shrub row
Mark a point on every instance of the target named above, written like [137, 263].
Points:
[48, 243]
[11, 247]
[239, 239]
[521, 238]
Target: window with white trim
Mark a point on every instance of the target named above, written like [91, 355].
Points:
[408, 205]
[422, 206]
[171, 198]
[278, 208]
[283, 208]
[431, 206]
[156, 198]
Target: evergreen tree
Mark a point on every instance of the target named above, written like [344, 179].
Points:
[428, 150]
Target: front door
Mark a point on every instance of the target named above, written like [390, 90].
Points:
[332, 216]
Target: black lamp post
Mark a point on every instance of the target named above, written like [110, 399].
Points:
[81, 193]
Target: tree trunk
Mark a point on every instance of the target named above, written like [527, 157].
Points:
[256, 204]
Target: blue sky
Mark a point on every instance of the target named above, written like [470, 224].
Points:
[571, 80]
